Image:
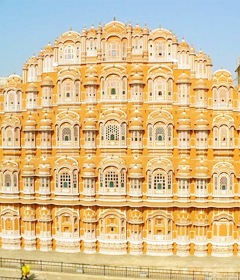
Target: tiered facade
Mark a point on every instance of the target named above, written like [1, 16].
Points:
[120, 140]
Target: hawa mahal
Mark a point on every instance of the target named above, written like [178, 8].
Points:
[120, 140]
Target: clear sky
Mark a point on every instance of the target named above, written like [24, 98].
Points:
[28, 25]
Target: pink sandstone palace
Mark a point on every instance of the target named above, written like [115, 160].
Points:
[120, 140]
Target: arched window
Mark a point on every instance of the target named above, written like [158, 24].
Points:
[65, 180]
[111, 180]
[160, 89]
[69, 52]
[160, 182]
[223, 183]
[137, 46]
[112, 132]
[66, 134]
[68, 90]
[160, 134]
[159, 51]
[113, 84]
[113, 50]
[223, 96]
[7, 180]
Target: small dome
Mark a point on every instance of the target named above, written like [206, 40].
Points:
[44, 215]
[89, 162]
[90, 71]
[192, 49]
[91, 76]
[41, 53]
[29, 214]
[136, 121]
[136, 125]
[135, 173]
[90, 121]
[137, 70]
[209, 61]
[145, 30]
[48, 48]
[183, 79]
[202, 170]
[90, 115]
[46, 122]
[47, 82]
[30, 123]
[183, 218]
[184, 122]
[200, 84]
[201, 122]
[137, 29]
[84, 32]
[135, 217]
[137, 115]
[201, 219]
[175, 39]
[91, 80]
[89, 124]
[92, 31]
[184, 170]
[135, 170]
[44, 168]
[89, 168]
[89, 215]
[28, 168]
[183, 45]
[88, 172]
[99, 30]
[32, 60]
[32, 88]
[136, 75]
[135, 162]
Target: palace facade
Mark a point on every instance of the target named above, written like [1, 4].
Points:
[120, 140]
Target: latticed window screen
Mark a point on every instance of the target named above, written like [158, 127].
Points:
[77, 88]
[149, 181]
[69, 52]
[169, 180]
[223, 183]
[231, 182]
[160, 134]
[111, 180]
[9, 134]
[169, 133]
[215, 181]
[159, 50]
[150, 132]
[7, 180]
[122, 179]
[112, 132]
[75, 179]
[66, 134]
[14, 179]
[75, 133]
[159, 182]
[101, 178]
[65, 180]
[68, 87]
[224, 134]
[123, 131]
